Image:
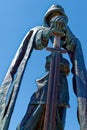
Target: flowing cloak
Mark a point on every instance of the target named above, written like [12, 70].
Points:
[11, 83]
[80, 85]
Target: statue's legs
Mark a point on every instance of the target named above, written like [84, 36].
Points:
[60, 118]
[34, 118]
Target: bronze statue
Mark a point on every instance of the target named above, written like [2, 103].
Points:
[47, 104]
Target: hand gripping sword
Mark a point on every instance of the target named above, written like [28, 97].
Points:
[52, 94]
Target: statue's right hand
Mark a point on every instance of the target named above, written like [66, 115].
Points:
[58, 24]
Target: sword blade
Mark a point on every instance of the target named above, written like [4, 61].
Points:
[51, 104]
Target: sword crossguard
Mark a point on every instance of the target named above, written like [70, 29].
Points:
[56, 49]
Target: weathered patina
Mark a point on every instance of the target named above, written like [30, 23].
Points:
[55, 22]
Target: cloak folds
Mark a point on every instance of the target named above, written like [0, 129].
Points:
[80, 85]
[80, 73]
[11, 83]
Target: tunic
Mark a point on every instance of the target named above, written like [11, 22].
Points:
[39, 97]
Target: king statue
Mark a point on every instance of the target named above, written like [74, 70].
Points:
[48, 105]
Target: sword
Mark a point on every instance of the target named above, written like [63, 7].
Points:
[52, 94]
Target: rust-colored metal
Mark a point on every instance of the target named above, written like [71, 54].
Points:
[51, 104]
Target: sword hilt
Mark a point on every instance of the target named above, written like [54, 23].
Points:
[56, 45]
[57, 39]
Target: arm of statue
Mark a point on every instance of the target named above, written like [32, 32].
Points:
[74, 49]
[41, 38]
[70, 43]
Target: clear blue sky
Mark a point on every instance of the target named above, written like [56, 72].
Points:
[16, 18]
